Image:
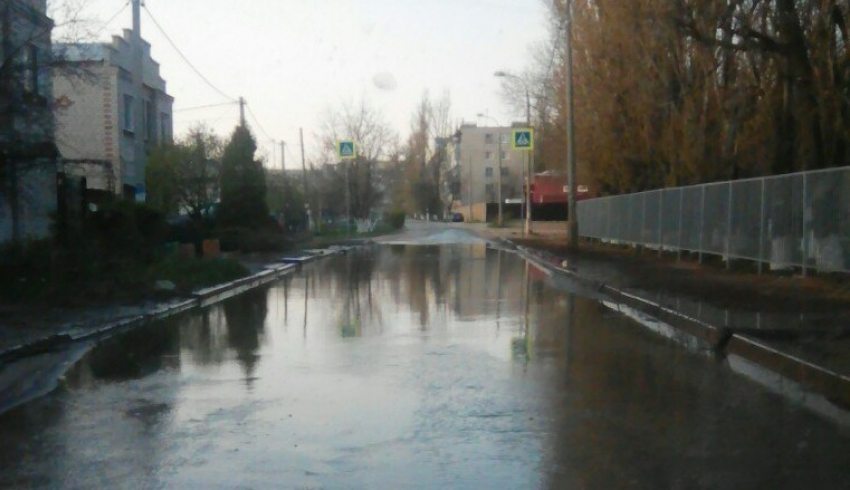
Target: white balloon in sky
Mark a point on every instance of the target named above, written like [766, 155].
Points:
[385, 81]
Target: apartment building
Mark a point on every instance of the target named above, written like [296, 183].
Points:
[475, 154]
[96, 126]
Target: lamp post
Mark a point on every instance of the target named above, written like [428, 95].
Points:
[571, 153]
[499, 221]
[529, 158]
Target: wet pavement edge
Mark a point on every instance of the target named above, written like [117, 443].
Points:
[834, 386]
[198, 299]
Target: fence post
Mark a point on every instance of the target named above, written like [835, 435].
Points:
[701, 223]
[681, 211]
[805, 225]
[660, 217]
[729, 229]
[643, 220]
[761, 228]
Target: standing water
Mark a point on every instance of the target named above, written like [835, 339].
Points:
[411, 366]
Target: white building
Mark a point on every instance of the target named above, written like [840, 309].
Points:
[96, 119]
[475, 154]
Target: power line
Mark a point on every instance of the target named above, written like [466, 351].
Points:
[265, 133]
[555, 47]
[257, 122]
[115, 16]
[161, 30]
[289, 152]
[204, 106]
[219, 118]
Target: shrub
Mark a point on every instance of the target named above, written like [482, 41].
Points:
[396, 219]
[191, 274]
[268, 237]
[27, 269]
[124, 229]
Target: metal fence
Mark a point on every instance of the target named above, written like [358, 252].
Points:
[797, 220]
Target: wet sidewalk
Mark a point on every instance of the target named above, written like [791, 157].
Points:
[26, 330]
[796, 327]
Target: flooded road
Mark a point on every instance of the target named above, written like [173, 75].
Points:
[401, 366]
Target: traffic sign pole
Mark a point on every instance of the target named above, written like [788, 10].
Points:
[347, 150]
[523, 140]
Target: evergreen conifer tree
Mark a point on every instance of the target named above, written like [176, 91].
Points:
[243, 183]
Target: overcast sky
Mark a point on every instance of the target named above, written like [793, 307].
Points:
[293, 60]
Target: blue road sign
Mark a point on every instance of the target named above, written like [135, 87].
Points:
[346, 149]
[523, 139]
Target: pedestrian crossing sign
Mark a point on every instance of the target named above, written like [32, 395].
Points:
[346, 150]
[523, 139]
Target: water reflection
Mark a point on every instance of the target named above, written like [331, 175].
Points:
[430, 367]
[245, 319]
[134, 355]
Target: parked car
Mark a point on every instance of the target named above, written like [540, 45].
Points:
[457, 218]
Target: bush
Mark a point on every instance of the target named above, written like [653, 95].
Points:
[267, 238]
[191, 274]
[27, 270]
[396, 219]
[125, 230]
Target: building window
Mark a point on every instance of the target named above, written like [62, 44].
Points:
[488, 155]
[488, 172]
[488, 139]
[128, 119]
[503, 139]
[490, 189]
[150, 121]
[503, 155]
[165, 126]
[504, 171]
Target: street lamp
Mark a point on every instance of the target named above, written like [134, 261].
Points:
[572, 216]
[499, 221]
[529, 159]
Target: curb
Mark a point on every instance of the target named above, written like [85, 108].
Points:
[198, 299]
[834, 386]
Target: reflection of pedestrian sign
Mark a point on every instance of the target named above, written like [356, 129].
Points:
[523, 139]
[346, 149]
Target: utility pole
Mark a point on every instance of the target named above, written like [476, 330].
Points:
[469, 166]
[135, 175]
[303, 163]
[571, 150]
[347, 201]
[529, 166]
[529, 157]
[282, 156]
[500, 222]
[242, 111]
[304, 182]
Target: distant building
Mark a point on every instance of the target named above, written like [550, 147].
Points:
[27, 150]
[474, 162]
[96, 118]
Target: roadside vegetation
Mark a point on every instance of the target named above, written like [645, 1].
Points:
[711, 91]
[117, 253]
[208, 203]
[392, 222]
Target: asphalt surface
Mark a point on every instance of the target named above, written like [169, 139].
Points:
[430, 361]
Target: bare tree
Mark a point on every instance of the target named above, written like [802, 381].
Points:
[373, 136]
